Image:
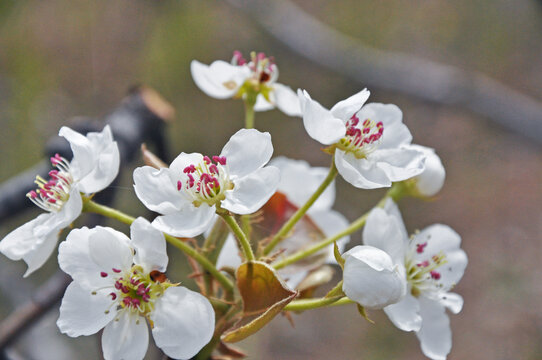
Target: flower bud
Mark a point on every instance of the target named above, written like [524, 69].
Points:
[371, 278]
[431, 180]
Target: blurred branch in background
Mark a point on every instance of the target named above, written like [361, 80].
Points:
[140, 117]
[404, 73]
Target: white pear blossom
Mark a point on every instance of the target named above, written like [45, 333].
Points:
[431, 262]
[431, 180]
[222, 80]
[94, 166]
[188, 193]
[298, 182]
[371, 144]
[118, 284]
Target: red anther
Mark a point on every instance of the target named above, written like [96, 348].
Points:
[116, 270]
[238, 56]
[125, 289]
[190, 180]
[103, 274]
[213, 169]
[420, 247]
[366, 130]
[142, 290]
[435, 275]
[379, 124]
[179, 185]
[260, 56]
[134, 281]
[135, 302]
[206, 159]
[366, 122]
[33, 194]
[220, 159]
[118, 285]
[52, 201]
[113, 296]
[189, 169]
[423, 264]
[146, 298]
[127, 301]
[53, 173]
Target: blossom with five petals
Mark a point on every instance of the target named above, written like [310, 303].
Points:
[371, 145]
[222, 80]
[94, 166]
[188, 193]
[431, 262]
[119, 283]
[298, 182]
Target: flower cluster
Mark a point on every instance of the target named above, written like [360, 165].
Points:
[260, 233]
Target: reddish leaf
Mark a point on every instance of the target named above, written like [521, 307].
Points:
[264, 295]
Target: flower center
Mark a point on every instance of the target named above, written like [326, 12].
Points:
[361, 140]
[423, 276]
[135, 290]
[263, 68]
[207, 181]
[52, 194]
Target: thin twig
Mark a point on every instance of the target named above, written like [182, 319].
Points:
[411, 75]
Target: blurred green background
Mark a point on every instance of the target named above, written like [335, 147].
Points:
[60, 59]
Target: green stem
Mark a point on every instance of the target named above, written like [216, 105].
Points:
[309, 304]
[240, 235]
[356, 225]
[91, 206]
[249, 114]
[283, 232]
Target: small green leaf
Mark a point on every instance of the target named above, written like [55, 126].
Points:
[337, 255]
[363, 313]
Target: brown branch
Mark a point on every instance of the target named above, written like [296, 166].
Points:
[404, 73]
[45, 298]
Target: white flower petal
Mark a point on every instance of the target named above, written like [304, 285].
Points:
[346, 108]
[252, 191]
[298, 181]
[431, 180]
[360, 172]
[392, 209]
[182, 161]
[442, 238]
[125, 338]
[106, 161]
[184, 322]
[39, 255]
[110, 249]
[188, 222]
[331, 222]
[220, 80]
[83, 152]
[320, 124]
[405, 314]
[453, 301]
[23, 240]
[384, 232]
[286, 100]
[82, 313]
[229, 255]
[398, 164]
[74, 259]
[262, 104]
[247, 151]
[371, 279]
[156, 191]
[435, 334]
[149, 244]
[395, 132]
